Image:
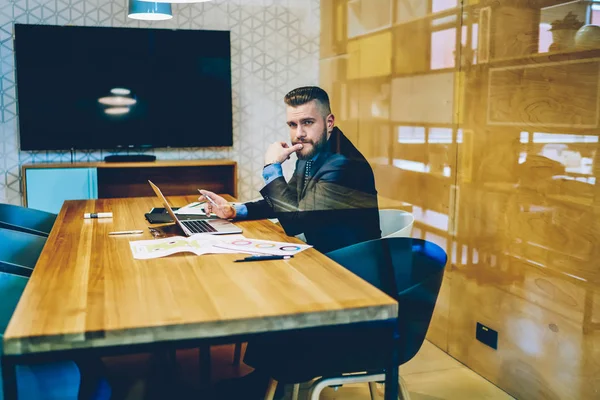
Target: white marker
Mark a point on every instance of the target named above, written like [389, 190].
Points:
[97, 215]
[136, 232]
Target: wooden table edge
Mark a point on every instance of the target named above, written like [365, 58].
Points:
[16, 346]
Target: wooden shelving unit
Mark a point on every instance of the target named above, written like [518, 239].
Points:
[130, 179]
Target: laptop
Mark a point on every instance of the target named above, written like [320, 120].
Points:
[193, 226]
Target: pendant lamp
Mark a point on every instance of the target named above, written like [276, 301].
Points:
[149, 11]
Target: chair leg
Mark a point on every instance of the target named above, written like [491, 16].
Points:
[271, 389]
[295, 391]
[402, 390]
[237, 354]
[322, 383]
[373, 389]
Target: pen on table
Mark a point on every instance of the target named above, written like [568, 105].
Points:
[263, 258]
[209, 199]
[98, 215]
[136, 232]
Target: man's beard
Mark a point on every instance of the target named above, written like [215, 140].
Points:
[316, 147]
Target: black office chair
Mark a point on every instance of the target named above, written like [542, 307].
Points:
[411, 271]
[19, 251]
[28, 220]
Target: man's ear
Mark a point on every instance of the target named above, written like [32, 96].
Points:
[330, 120]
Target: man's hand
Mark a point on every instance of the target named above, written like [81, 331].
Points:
[278, 152]
[223, 209]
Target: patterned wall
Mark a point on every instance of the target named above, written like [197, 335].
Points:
[274, 48]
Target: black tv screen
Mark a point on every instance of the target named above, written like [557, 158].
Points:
[106, 88]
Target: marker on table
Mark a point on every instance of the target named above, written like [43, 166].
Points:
[98, 215]
[263, 258]
[136, 232]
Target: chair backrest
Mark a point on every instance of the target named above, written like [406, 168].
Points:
[411, 271]
[19, 251]
[11, 288]
[396, 223]
[26, 219]
[58, 380]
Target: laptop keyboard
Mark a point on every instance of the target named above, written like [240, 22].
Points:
[198, 226]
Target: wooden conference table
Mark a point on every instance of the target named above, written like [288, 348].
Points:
[88, 296]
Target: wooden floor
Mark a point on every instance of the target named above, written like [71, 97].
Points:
[431, 375]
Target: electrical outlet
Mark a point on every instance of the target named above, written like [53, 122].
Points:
[487, 336]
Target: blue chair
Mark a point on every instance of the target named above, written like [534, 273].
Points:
[48, 381]
[53, 381]
[19, 251]
[411, 271]
[26, 219]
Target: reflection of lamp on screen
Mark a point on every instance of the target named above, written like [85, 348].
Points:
[149, 11]
[119, 102]
[120, 91]
[116, 110]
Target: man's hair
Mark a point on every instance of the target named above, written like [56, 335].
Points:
[303, 95]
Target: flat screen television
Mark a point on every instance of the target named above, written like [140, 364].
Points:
[109, 88]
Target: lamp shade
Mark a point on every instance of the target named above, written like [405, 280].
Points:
[178, 1]
[149, 11]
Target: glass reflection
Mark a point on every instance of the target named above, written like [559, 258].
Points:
[119, 102]
[117, 110]
[491, 127]
[120, 91]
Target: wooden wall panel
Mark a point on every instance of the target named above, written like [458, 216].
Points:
[411, 54]
[498, 154]
[366, 16]
[555, 95]
[370, 56]
[333, 28]
[408, 10]
[514, 29]
[423, 99]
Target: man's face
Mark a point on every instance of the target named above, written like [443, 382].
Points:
[309, 127]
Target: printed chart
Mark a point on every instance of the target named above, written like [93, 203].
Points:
[261, 246]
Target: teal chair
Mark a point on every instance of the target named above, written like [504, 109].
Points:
[19, 251]
[54, 381]
[25, 219]
[39, 382]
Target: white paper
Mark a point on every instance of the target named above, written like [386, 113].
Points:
[192, 209]
[204, 243]
[198, 244]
